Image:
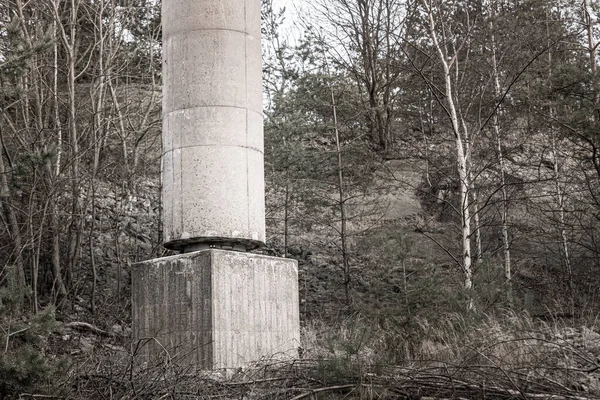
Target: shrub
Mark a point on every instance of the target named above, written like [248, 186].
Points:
[23, 338]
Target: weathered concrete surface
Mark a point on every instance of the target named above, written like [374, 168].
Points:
[215, 308]
[213, 177]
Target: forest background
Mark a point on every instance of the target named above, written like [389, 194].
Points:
[433, 165]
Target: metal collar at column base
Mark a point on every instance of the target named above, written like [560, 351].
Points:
[203, 243]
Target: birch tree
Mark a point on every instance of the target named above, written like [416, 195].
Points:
[448, 58]
[502, 170]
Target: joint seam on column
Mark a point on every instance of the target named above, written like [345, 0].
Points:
[181, 210]
[178, 33]
[246, 116]
[214, 145]
[173, 189]
[213, 106]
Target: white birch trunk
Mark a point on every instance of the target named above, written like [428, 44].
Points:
[461, 156]
[503, 190]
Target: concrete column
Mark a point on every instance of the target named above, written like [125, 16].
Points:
[213, 308]
[213, 169]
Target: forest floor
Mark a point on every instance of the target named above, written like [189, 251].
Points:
[508, 357]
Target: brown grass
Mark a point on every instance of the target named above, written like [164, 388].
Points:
[507, 357]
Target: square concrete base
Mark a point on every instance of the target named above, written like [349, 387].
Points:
[215, 309]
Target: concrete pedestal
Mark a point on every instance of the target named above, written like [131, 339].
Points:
[215, 309]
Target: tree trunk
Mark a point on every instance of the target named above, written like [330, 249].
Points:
[13, 223]
[503, 189]
[69, 42]
[341, 200]
[562, 226]
[461, 158]
[560, 198]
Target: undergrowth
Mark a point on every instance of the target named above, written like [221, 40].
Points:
[505, 356]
